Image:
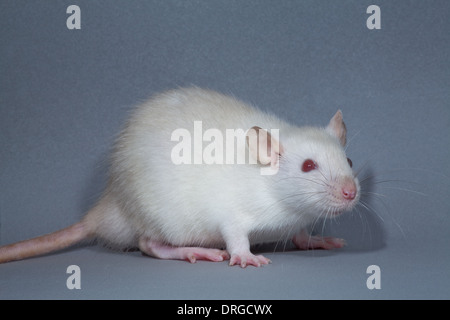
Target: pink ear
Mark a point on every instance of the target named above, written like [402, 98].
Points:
[337, 128]
[263, 147]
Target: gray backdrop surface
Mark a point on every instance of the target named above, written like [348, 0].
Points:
[64, 95]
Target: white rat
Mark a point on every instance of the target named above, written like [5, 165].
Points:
[213, 211]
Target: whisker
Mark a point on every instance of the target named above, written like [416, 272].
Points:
[319, 182]
[349, 141]
[323, 221]
[407, 190]
[366, 163]
[366, 206]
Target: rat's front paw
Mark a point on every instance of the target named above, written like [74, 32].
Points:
[248, 259]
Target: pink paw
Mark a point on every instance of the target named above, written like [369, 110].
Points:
[193, 254]
[305, 242]
[248, 259]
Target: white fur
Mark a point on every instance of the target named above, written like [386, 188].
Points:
[208, 205]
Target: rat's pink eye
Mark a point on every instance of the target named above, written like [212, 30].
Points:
[350, 163]
[309, 165]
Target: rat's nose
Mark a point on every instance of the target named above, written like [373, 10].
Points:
[349, 190]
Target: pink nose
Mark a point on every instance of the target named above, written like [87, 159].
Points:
[349, 191]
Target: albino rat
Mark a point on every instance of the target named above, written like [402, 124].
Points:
[173, 203]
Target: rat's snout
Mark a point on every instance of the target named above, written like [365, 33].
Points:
[349, 193]
[349, 190]
[344, 194]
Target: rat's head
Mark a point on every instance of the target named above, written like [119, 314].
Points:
[314, 174]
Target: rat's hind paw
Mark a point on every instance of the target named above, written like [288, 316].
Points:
[306, 241]
[191, 254]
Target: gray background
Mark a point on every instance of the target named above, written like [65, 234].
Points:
[64, 95]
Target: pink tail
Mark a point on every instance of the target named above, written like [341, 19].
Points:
[44, 244]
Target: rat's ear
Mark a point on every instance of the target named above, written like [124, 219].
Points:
[337, 128]
[263, 147]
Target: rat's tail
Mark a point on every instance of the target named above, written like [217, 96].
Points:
[44, 244]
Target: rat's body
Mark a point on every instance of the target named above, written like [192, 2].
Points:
[191, 211]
